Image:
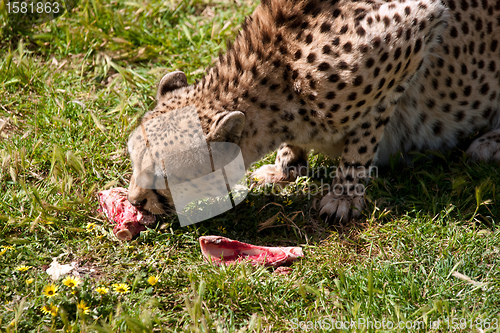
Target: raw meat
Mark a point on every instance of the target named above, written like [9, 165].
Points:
[129, 220]
[228, 251]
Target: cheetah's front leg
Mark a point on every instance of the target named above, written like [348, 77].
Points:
[345, 200]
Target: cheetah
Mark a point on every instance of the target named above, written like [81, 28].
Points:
[355, 80]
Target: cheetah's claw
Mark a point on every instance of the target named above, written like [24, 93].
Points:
[340, 207]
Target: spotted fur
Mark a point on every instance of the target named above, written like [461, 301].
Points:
[359, 80]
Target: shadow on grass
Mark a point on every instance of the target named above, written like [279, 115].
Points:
[433, 185]
[438, 184]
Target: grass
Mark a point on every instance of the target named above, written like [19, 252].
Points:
[71, 89]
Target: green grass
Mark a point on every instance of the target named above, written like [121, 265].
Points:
[73, 88]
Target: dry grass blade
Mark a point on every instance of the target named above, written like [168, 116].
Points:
[467, 279]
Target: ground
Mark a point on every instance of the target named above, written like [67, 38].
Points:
[72, 89]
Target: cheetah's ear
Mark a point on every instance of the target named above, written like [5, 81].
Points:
[229, 127]
[170, 82]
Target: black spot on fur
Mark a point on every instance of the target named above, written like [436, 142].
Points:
[484, 89]
[363, 48]
[437, 127]
[324, 66]
[343, 65]
[334, 78]
[358, 80]
[309, 39]
[381, 83]
[418, 46]
[298, 54]
[494, 45]
[453, 32]
[487, 112]
[287, 116]
[467, 90]
[325, 27]
[348, 47]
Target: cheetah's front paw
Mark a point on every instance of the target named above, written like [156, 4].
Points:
[486, 148]
[268, 174]
[291, 162]
[341, 207]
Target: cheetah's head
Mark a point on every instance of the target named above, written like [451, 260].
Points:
[169, 146]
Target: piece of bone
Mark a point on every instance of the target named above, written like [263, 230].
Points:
[129, 220]
[57, 270]
[224, 250]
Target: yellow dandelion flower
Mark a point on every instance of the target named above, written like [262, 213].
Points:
[152, 280]
[29, 281]
[90, 226]
[22, 268]
[50, 309]
[102, 290]
[5, 249]
[81, 306]
[50, 290]
[121, 288]
[72, 281]
[288, 202]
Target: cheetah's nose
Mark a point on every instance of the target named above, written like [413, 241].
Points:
[137, 203]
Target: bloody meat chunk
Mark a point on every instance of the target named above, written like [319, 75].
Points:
[129, 220]
[228, 251]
